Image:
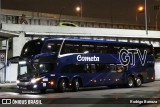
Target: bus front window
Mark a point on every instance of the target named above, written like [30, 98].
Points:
[32, 48]
[23, 70]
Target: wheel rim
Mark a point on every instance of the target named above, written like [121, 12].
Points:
[130, 82]
[77, 85]
[63, 85]
[139, 82]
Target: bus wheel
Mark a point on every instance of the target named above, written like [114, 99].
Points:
[138, 82]
[130, 83]
[75, 85]
[62, 85]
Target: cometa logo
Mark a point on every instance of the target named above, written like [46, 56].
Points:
[84, 58]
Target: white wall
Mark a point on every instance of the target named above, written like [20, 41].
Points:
[11, 73]
[157, 70]
[1, 73]
[18, 43]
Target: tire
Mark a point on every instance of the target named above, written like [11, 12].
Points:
[75, 85]
[138, 82]
[62, 85]
[130, 82]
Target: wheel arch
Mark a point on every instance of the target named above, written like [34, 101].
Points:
[66, 80]
[141, 76]
[79, 80]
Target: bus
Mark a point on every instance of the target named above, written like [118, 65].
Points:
[62, 63]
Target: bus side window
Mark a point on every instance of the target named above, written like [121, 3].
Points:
[112, 68]
[65, 69]
[51, 46]
[46, 67]
[101, 48]
[102, 68]
[73, 68]
[70, 47]
[107, 66]
[105, 50]
[78, 68]
[92, 68]
[85, 49]
[86, 68]
[114, 48]
[149, 50]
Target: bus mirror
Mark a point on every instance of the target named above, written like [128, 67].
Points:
[14, 59]
[119, 68]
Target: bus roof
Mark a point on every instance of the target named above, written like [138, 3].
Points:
[99, 41]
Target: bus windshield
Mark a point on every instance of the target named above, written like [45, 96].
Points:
[36, 68]
[32, 48]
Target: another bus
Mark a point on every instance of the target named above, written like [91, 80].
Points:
[61, 63]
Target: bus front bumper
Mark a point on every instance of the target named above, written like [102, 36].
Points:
[34, 87]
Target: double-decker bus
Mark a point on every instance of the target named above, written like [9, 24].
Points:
[60, 63]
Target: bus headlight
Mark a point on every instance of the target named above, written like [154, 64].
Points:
[34, 80]
[22, 62]
[17, 81]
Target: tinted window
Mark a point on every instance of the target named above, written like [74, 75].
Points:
[88, 68]
[88, 48]
[101, 48]
[78, 47]
[114, 48]
[32, 48]
[52, 46]
[73, 68]
[103, 67]
[46, 67]
[70, 47]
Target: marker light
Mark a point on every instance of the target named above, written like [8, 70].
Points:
[34, 80]
[52, 83]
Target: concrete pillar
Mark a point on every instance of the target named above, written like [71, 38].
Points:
[18, 43]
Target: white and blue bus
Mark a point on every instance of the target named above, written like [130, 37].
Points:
[61, 63]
